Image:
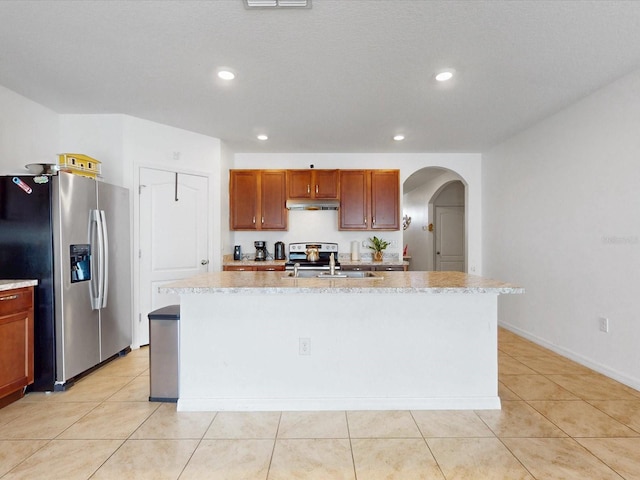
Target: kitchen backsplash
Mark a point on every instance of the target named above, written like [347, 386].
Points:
[316, 226]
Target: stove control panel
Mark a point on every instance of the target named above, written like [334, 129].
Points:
[322, 247]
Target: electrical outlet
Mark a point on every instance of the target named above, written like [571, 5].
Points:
[603, 324]
[304, 346]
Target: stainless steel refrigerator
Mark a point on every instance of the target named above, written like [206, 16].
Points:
[72, 234]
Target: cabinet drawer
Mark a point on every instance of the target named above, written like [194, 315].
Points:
[16, 300]
[238, 268]
[357, 268]
[389, 268]
[270, 268]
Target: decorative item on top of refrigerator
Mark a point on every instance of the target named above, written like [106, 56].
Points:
[80, 164]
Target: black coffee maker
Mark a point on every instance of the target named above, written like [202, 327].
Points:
[261, 251]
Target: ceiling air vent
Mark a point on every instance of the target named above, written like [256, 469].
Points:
[277, 3]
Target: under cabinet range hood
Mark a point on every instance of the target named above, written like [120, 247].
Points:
[312, 204]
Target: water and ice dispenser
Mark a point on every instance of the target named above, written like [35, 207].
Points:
[80, 263]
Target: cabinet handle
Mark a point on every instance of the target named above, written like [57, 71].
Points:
[308, 188]
[365, 220]
[374, 221]
[8, 297]
[263, 220]
[316, 188]
[254, 219]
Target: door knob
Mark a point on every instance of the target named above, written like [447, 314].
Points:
[437, 253]
[204, 262]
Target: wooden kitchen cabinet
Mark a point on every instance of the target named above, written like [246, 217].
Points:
[253, 268]
[313, 183]
[369, 200]
[257, 200]
[389, 268]
[357, 268]
[238, 268]
[16, 343]
[373, 268]
[270, 268]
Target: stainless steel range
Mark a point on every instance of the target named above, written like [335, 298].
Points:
[315, 256]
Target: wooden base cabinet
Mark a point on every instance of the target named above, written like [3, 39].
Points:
[253, 268]
[369, 200]
[373, 268]
[16, 342]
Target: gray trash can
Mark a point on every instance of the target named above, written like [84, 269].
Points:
[164, 349]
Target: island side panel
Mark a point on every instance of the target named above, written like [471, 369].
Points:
[367, 351]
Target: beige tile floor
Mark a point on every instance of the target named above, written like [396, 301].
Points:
[559, 421]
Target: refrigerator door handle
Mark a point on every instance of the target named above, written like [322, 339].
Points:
[105, 259]
[96, 232]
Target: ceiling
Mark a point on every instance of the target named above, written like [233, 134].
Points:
[342, 76]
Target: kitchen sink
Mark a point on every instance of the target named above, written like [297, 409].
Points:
[338, 274]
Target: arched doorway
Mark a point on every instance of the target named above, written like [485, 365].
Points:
[421, 191]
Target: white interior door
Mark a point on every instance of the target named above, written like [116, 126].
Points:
[449, 238]
[173, 236]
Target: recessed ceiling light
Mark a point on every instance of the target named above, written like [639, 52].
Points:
[226, 74]
[444, 75]
[262, 137]
[398, 138]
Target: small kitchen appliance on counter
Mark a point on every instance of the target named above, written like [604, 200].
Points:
[312, 256]
[261, 251]
[237, 252]
[279, 253]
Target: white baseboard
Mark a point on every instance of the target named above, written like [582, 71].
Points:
[576, 357]
[324, 404]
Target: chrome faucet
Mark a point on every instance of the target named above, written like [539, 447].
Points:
[332, 265]
[295, 269]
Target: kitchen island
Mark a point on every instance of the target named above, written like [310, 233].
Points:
[402, 340]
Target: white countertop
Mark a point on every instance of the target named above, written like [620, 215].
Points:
[261, 283]
[11, 284]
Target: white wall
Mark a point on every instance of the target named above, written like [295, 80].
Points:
[28, 133]
[561, 208]
[100, 137]
[323, 225]
[124, 144]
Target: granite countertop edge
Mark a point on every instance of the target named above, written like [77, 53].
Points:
[13, 284]
[270, 283]
[350, 290]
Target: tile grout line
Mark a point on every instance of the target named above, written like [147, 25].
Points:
[424, 439]
[353, 458]
[273, 448]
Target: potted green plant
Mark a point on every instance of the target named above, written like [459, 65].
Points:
[378, 245]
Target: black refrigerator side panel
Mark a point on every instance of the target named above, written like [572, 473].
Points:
[26, 252]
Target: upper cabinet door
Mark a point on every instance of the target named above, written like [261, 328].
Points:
[299, 183]
[354, 200]
[369, 200]
[243, 199]
[312, 183]
[385, 199]
[326, 183]
[274, 213]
